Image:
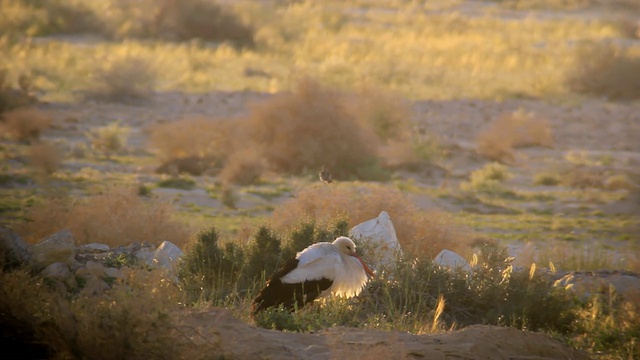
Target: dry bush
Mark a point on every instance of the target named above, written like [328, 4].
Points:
[605, 70]
[192, 144]
[547, 179]
[44, 157]
[25, 124]
[177, 20]
[243, 168]
[117, 217]
[124, 79]
[133, 320]
[11, 98]
[308, 129]
[619, 182]
[390, 118]
[109, 139]
[583, 177]
[509, 131]
[419, 232]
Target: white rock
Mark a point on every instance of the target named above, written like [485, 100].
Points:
[452, 260]
[166, 255]
[379, 237]
[58, 247]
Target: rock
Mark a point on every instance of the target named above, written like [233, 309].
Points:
[379, 237]
[166, 255]
[58, 247]
[588, 283]
[450, 259]
[95, 247]
[91, 269]
[94, 286]
[145, 255]
[57, 271]
[13, 249]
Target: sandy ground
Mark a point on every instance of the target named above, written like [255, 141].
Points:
[235, 339]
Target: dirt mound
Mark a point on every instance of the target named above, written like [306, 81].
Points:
[236, 339]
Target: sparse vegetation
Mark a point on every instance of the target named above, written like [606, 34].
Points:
[547, 179]
[25, 124]
[44, 157]
[110, 139]
[604, 69]
[117, 217]
[509, 131]
[124, 79]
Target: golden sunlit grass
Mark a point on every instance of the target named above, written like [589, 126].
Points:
[509, 131]
[419, 232]
[414, 53]
[117, 217]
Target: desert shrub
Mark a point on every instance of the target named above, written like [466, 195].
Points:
[177, 20]
[619, 182]
[25, 124]
[123, 79]
[116, 217]
[390, 118]
[308, 129]
[132, 320]
[207, 142]
[208, 271]
[608, 325]
[44, 157]
[488, 180]
[419, 232]
[509, 131]
[583, 177]
[547, 179]
[11, 98]
[109, 139]
[263, 254]
[243, 167]
[604, 69]
[182, 182]
[39, 18]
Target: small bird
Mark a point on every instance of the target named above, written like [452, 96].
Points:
[325, 175]
[320, 270]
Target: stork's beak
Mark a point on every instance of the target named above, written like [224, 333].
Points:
[364, 265]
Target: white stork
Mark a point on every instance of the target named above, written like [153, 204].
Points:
[319, 270]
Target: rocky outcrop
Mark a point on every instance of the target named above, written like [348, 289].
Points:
[13, 249]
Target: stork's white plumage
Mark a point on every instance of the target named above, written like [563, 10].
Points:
[319, 270]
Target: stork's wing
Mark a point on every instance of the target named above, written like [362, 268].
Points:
[314, 266]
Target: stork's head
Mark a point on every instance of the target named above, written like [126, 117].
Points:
[348, 247]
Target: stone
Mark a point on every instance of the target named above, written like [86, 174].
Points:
[94, 286]
[452, 260]
[166, 255]
[58, 247]
[60, 272]
[96, 247]
[379, 237]
[13, 249]
[91, 269]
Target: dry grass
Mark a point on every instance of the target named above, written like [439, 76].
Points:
[44, 157]
[243, 167]
[310, 128]
[25, 124]
[117, 217]
[509, 131]
[202, 141]
[124, 79]
[110, 139]
[420, 233]
[605, 70]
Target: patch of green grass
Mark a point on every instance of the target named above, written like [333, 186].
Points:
[183, 183]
